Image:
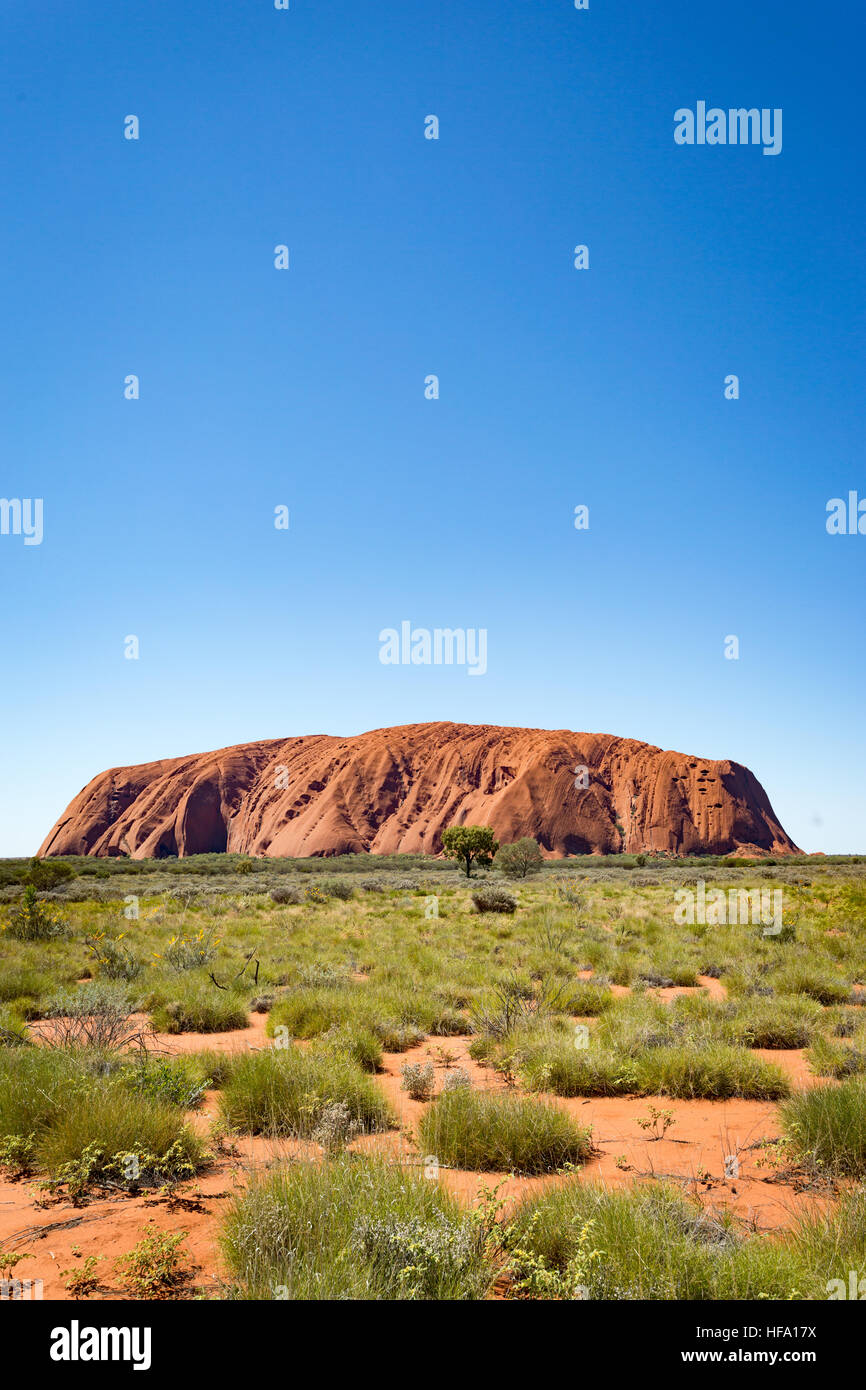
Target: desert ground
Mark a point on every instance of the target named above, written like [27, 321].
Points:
[376, 1078]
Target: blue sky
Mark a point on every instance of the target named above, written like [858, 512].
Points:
[305, 387]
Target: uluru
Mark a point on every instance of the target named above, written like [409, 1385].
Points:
[395, 790]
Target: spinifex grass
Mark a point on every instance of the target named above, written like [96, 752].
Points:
[651, 1242]
[494, 1132]
[827, 1126]
[75, 1109]
[284, 1091]
[352, 1228]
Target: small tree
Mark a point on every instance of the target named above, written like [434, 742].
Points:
[468, 843]
[520, 859]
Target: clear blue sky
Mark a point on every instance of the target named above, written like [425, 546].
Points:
[306, 387]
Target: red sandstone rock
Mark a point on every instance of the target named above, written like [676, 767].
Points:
[396, 790]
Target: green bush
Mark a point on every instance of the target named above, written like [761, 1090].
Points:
[652, 1243]
[45, 874]
[350, 1229]
[519, 859]
[586, 999]
[83, 1119]
[827, 1126]
[356, 1042]
[714, 1072]
[197, 1006]
[307, 1013]
[827, 1057]
[494, 899]
[567, 1071]
[783, 1022]
[33, 1084]
[173, 1080]
[22, 982]
[340, 888]
[286, 894]
[819, 982]
[101, 1128]
[396, 1019]
[31, 920]
[504, 1133]
[284, 1092]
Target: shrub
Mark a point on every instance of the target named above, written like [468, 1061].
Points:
[322, 975]
[493, 899]
[339, 888]
[286, 894]
[492, 1132]
[417, 1080]
[214, 1067]
[192, 952]
[425, 1257]
[572, 894]
[585, 998]
[285, 1092]
[174, 1080]
[81, 1122]
[44, 874]
[83, 1280]
[34, 1082]
[513, 1004]
[356, 1042]
[315, 893]
[113, 958]
[346, 1229]
[31, 920]
[97, 1014]
[335, 1127]
[307, 1013]
[22, 982]
[155, 1268]
[449, 1023]
[397, 1037]
[830, 1058]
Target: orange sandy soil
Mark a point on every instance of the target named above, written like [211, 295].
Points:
[691, 1155]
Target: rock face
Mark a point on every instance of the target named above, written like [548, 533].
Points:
[396, 790]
